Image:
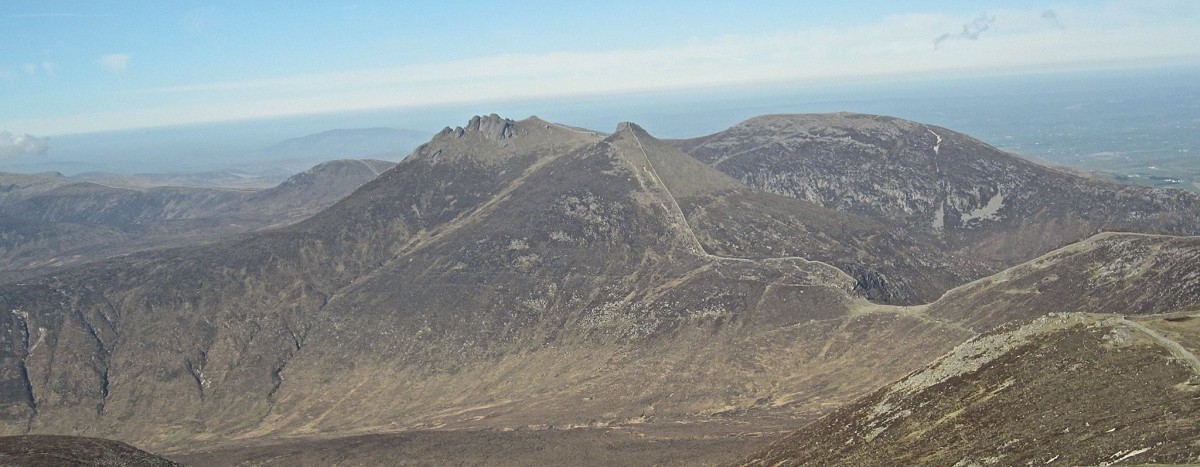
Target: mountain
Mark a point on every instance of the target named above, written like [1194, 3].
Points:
[229, 179]
[74, 451]
[49, 221]
[925, 180]
[308, 192]
[512, 277]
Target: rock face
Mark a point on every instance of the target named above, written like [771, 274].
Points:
[507, 275]
[49, 221]
[926, 180]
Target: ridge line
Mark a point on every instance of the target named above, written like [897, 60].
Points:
[688, 228]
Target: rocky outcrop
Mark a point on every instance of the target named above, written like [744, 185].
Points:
[491, 127]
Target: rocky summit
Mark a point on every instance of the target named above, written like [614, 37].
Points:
[521, 281]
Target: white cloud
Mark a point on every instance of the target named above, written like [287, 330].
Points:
[21, 145]
[116, 63]
[49, 67]
[896, 45]
[30, 69]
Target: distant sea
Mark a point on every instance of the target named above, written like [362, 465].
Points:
[1140, 125]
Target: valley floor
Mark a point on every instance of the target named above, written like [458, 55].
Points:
[718, 443]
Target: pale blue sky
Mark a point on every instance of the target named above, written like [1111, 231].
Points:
[71, 67]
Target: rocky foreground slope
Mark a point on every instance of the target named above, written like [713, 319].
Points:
[74, 451]
[517, 275]
[1064, 389]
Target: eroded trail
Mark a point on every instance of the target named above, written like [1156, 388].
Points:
[372, 169]
[1176, 349]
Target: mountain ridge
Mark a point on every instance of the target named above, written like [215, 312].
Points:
[519, 274]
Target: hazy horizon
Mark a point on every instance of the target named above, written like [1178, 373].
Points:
[1010, 112]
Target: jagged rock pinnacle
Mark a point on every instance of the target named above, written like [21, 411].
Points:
[493, 127]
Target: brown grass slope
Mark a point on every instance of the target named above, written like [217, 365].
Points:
[1077, 389]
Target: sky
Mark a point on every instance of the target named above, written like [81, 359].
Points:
[89, 66]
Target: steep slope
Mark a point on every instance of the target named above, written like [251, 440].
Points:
[48, 221]
[730, 220]
[1076, 389]
[927, 180]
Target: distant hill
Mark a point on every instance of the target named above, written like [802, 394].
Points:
[376, 143]
[212, 179]
[49, 221]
